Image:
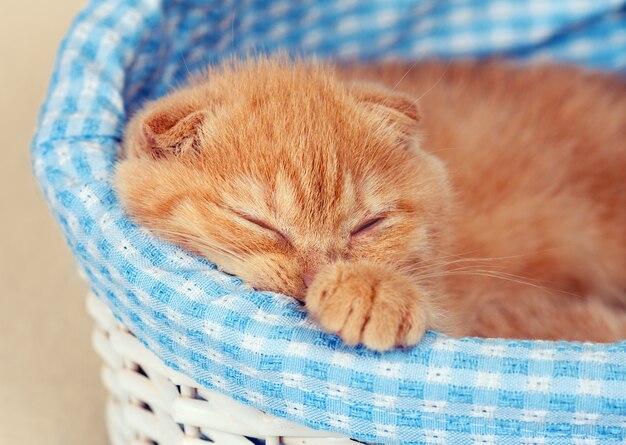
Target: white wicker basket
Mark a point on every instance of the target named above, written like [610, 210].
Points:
[150, 403]
[119, 53]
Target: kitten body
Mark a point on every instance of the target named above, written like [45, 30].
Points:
[501, 212]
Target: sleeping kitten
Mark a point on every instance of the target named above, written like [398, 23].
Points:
[501, 212]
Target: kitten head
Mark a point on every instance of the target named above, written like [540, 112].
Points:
[272, 169]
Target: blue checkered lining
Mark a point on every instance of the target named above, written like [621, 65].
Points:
[258, 347]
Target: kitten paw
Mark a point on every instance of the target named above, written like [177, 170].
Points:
[369, 304]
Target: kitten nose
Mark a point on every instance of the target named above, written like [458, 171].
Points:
[308, 276]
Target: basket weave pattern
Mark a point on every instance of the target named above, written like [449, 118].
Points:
[260, 349]
[149, 402]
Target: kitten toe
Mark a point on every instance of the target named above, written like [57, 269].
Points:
[413, 328]
[339, 302]
[368, 304]
[398, 318]
[381, 330]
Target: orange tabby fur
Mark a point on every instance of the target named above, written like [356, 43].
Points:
[500, 213]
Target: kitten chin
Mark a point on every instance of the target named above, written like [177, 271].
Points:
[497, 214]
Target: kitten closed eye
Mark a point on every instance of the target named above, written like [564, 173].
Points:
[266, 226]
[367, 225]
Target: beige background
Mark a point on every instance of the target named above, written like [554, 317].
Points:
[50, 392]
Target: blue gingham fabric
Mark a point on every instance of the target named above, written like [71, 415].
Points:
[258, 347]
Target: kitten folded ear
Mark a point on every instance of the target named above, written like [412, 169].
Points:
[392, 106]
[169, 129]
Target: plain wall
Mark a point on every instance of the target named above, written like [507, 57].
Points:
[50, 390]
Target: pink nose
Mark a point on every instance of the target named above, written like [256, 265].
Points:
[309, 276]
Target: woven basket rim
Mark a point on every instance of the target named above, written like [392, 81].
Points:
[74, 154]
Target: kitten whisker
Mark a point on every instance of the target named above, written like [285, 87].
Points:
[497, 275]
[406, 74]
[435, 263]
[202, 242]
[445, 70]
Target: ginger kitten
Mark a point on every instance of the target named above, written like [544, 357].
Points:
[500, 213]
